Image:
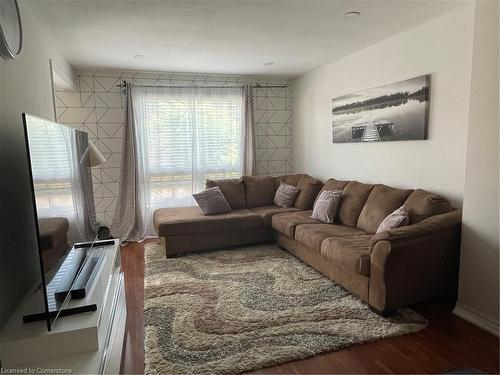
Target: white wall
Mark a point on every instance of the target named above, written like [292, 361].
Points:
[461, 157]
[441, 47]
[479, 290]
[25, 87]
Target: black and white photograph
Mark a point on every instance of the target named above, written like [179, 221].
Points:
[393, 112]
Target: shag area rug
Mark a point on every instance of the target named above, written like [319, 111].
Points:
[229, 311]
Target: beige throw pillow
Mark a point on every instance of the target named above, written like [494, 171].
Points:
[327, 205]
[285, 195]
[212, 201]
[398, 218]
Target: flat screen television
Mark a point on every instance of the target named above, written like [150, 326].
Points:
[64, 209]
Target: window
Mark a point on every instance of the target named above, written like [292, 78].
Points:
[188, 135]
[52, 169]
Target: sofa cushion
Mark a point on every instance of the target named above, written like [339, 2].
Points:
[312, 235]
[233, 190]
[350, 252]
[309, 189]
[421, 204]
[286, 223]
[267, 212]
[292, 179]
[353, 199]
[381, 202]
[190, 220]
[259, 191]
[333, 184]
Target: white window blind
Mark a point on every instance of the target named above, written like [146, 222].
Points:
[51, 166]
[185, 136]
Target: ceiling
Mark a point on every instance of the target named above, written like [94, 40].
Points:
[232, 36]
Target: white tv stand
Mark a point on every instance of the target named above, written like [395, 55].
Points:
[87, 343]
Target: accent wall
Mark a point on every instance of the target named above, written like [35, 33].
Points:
[97, 106]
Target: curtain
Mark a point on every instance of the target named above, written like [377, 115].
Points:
[175, 138]
[128, 223]
[248, 156]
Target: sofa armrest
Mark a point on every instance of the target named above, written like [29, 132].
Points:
[427, 227]
[415, 263]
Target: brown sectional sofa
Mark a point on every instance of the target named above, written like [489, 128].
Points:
[187, 229]
[388, 270]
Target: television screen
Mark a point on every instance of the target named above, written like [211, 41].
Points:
[61, 177]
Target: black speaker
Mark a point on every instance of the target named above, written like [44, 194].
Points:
[104, 233]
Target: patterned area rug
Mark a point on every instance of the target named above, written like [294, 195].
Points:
[229, 311]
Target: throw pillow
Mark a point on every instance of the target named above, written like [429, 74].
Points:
[398, 218]
[326, 206]
[285, 195]
[212, 201]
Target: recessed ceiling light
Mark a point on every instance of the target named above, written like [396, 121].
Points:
[269, 63]
[351, 14]
[139, 57]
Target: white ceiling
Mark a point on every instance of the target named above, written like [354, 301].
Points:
[233, 36]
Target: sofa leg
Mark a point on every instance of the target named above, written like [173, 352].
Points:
[384, 313]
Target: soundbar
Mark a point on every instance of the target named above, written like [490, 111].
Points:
[80, 245]
[87, 276]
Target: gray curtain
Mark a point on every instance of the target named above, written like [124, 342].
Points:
[249, 164]
[128, 223]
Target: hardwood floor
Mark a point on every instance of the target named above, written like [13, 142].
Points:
[449, 342]
[133, 345]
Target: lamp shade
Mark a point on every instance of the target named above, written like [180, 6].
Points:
[92, 156]
[96, 158]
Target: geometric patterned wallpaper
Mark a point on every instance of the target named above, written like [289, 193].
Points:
[97, 107]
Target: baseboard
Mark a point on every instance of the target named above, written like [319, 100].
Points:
[477, 318]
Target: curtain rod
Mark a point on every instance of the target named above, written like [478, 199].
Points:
[123, 86]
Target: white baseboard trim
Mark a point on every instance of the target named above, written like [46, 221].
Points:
[475, 317]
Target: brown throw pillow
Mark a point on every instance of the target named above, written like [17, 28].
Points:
[212, 201]
[285, 195]
[233, 190]
[327, 206]
[398, 218]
